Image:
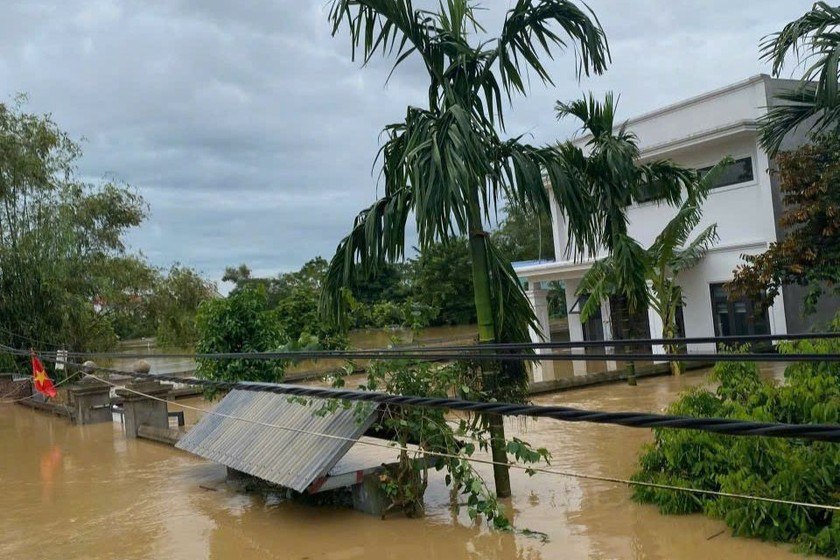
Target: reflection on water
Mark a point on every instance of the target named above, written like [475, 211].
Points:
[87, 492]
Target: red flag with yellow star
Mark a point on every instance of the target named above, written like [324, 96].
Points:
[42, 381]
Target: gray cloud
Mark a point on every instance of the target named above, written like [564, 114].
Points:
[251, 133]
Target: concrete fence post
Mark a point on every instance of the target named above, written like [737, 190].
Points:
[90, 399]
[142, 410]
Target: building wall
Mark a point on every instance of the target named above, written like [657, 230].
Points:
[743, 213]
[744, 101]
[699, 133]
[717, 268]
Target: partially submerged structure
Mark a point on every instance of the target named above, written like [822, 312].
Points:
[295, 444]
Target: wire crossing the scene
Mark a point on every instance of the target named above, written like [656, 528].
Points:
[722, 426]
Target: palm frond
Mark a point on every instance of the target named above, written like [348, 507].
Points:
[676, 231]
[664, 180]
[513, 314]
[689, 256]
[799, 106]
[813, 25]
[377, 238]
[392, 27]
[597, 285]
[814, 41]
[528, 33]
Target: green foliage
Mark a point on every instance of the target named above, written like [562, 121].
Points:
[239, 323]
[611, 180]
[447, 165]
[442, 279]
[814, 42]
[293, 296]
[525, 236]
[174, 304]
[428, 430]
[771, 467]
[809, 254]
[670, 254]
[61, 239]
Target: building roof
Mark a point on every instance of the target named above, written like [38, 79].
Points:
[246, 438]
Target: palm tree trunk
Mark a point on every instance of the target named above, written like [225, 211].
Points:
[487, 335]
[669, 330]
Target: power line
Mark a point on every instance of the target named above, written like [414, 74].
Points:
[722, 426]
[481, 351]
[396, 447]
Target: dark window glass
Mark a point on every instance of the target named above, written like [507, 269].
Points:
[648, 192]
[593, 329]
[741, 171]
[739, 317]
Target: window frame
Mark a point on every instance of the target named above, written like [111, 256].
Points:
[725, 188]
[751, 306]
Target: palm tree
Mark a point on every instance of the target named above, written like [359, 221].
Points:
[448, 165]
[607, 166]
[670, 254]
[815, 101]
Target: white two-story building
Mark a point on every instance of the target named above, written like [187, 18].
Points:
[745, 204]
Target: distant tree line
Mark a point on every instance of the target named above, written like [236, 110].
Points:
[432, 289]
[67, 279]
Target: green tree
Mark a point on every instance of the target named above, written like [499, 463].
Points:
[814, 41]
[61, 239]
[525, 236]
[442, 279]
[448, 165]
[174, 304]
[608, 169]
[670, 254]
[239, 323]
[133, 283]
[781, 468]
[809, 253]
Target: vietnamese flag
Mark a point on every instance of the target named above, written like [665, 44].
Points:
[43, 383]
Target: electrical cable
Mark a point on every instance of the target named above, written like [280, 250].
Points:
[723, 426]
[530, 469]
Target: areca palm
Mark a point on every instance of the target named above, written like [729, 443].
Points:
[607, 166]
[449, 166]
[670, 254]
[814, 40]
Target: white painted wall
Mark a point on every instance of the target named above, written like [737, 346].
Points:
[714, 269]
[698, 133]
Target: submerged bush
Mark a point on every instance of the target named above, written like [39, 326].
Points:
[789, 469]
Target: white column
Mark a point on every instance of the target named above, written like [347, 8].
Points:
[541, 370]
[656, 330]
[606, 324]
[559, 230]
[575, 327]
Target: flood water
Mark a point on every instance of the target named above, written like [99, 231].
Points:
[87, 492]
[364, 339]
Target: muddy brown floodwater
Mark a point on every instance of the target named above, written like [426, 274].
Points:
[87, 492]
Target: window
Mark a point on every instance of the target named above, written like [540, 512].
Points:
[648, 192]
[739, 317]
[741, 171]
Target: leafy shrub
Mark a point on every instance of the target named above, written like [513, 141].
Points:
[428, 429]
[239, 323]
[789, 469]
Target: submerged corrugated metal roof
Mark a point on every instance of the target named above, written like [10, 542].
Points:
[285, 457]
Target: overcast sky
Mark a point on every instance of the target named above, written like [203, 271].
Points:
[251, 133]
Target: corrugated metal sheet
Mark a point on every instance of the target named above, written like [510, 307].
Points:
[284, 457]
